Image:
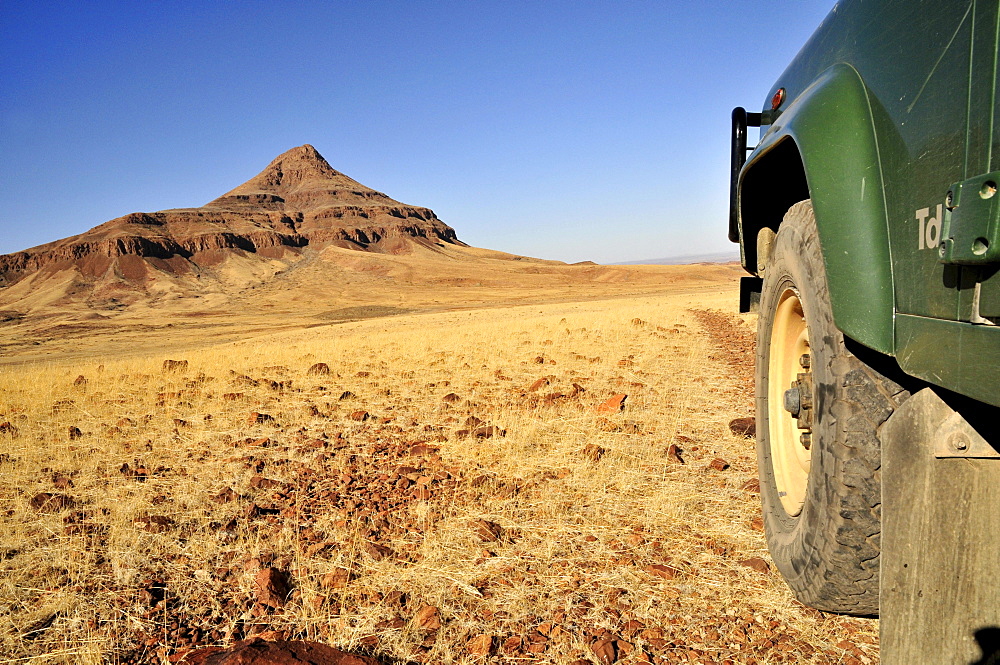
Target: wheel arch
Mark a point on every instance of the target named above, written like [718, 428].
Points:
[824, 146]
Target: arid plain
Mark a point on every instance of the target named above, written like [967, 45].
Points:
[384, 440]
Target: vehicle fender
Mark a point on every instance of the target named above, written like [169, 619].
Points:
[831, 129]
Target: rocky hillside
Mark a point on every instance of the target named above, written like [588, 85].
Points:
[298, 201]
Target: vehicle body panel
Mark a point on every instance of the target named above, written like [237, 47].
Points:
[890, 104]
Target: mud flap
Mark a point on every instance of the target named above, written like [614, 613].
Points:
[940, 569]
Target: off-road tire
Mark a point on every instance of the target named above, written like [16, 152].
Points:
[828, 550]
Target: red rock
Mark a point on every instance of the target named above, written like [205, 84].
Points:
[260, 482]
[74, 432]
[225, 496]
[674, 454]
[662, 571]
[539, 360]
[488, 432]
[752, 485]
[48, 502]
[538, 384]
[360, 416]
[319, 368]
[7, 428]
[451, 398]
[379, 552]
[154, 523]
[347, 394]
[80, 381]
[272, 588]
[604, 651]
[62, 482]
[480, 645]
[743, 426]
[427, 618]
[256, 418]
[512, 645]
[593, 452]
[613, 404]
[718, 464]
[756, 563]
[258, 651]
[338, 578]
[232, 397]
[487, 531]
[174, 365]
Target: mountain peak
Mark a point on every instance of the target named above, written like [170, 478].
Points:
[300, 178]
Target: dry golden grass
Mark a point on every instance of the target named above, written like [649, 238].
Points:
[539, 537]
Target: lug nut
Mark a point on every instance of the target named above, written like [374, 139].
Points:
[793, 401]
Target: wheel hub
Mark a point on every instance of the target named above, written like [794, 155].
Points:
[790, 402]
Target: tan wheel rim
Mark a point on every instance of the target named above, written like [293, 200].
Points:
[789, 458]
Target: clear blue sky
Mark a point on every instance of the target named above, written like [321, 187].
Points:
[565, 130]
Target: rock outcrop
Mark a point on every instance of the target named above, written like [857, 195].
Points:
[298, 201]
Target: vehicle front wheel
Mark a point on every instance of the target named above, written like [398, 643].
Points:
[819, 408]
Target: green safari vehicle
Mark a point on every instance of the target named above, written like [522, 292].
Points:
[868, 216]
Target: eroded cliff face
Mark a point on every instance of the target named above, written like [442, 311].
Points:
[298, 201]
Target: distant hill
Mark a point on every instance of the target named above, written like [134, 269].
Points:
[298, 202]
[717, 257]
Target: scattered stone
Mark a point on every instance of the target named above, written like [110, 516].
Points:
[593, 452]
[7, 428]
[227, 495]
[38, 627]
[80, 381]
[272, 588]
[74, 432]
[175, 365]
[360, 416]
[743, 426]
[544, 381]
[49, 502]
[232, 397]
[662, 571]
[451, 398]
[756, 563]
[62, 482]
[153, 523]
[338, 578]
[486, 530]
[674, 454]
[604, 651]
[256, 418]
[258, 651]
[488, 432]
[718, 464]
[613, 404]
[427, 618]
[752, 485]
[480, 645]
[321, 369]
[379, 552]
[260, 482]
[539, 360]
[347, 394]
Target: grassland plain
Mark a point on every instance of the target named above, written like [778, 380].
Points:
[432, 488]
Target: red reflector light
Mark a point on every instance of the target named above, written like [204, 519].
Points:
[778, 99]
